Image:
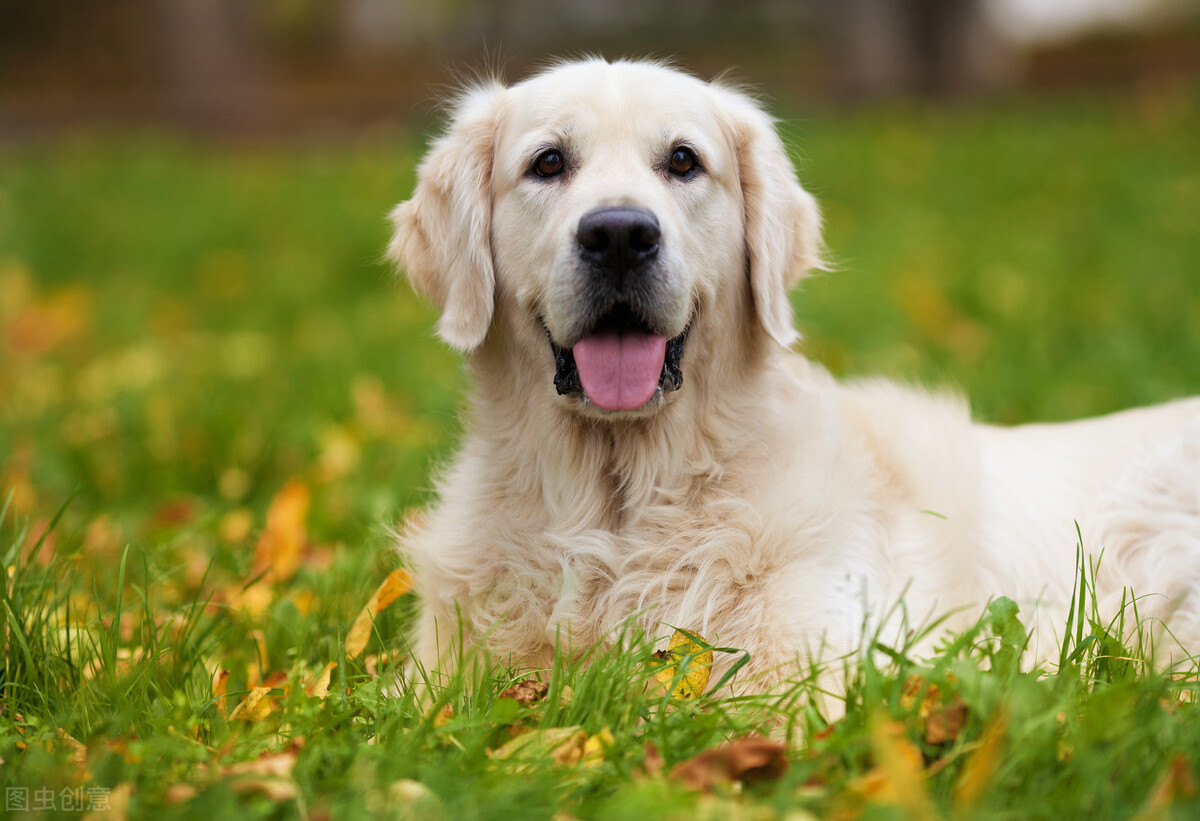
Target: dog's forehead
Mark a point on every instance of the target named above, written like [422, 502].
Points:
[616, 102]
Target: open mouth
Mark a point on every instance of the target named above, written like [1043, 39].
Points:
[621, 363]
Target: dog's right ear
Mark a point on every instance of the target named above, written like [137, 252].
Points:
[442, 235]
[783, 223]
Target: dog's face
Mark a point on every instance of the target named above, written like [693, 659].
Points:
[602, 214]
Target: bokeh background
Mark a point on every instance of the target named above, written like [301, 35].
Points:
[194, 314]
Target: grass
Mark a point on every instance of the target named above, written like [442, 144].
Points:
[214, 401]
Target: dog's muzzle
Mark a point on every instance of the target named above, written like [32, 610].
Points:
[619, 360]
[566, 370]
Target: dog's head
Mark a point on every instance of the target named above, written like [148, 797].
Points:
[603, 214]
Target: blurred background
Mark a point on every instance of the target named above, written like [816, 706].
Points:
[268, 65]
[194, 314]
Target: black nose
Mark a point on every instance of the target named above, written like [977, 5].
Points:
[618, 240]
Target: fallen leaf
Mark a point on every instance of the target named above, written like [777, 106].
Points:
[116, 804]
[280, 546]
[978, 771]
[340, 453]
[943, 718]
[527, 692]
[319, 687]
[394, 586]
[375, 662]
[279, 765]
[538, 742]
[254, 707]
[59, 317]
[274, 679]
[566, 746]
[220, 680]
[444, 716]
[686, 649]
[750, 760]
[945, 722]
[276, 789]
[595, 747]
[897, 779]
[1175, 782]
[177, 793]
[235, 526]
[65, 741]
[120, 746]
[652, 760]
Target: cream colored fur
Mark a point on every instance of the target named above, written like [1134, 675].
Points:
[763, 504]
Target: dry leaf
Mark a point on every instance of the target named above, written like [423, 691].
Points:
[749, 760]
[443, 716]
[274, 679]
[220, 680]
[254, 707]
[120, 746]
[945, 722]
[282, 541]
[1176, 781]
[944, 719]
[978, 771]
[566, 746]
[279, 765]
[276, 789]
[540, 743]
[375, 662]
[394, 586]
[897, 779]
[686, 648]
[180, 792]
[652, 760]
[117, 805]
[319, 688]
[527, 692]
[59, 317]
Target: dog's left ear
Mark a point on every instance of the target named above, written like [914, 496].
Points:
[782, 221]
[443, 234]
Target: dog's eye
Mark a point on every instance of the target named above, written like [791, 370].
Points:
[549, 163]
[683, 161]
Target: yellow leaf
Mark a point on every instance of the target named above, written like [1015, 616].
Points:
[978, 771]
[220, 680]
[65, 741]
[1175, 782]
[279, 547]
[116, 808]
[254, 707]
[320, 687]
[340, 453]
[235, 526]
[394, 586]
[897, 779]
[544, 742]
[595, 746]
[686, 648]
[565, 746]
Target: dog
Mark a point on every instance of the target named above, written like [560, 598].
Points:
[612, 246]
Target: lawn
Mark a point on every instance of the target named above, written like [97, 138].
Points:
[215, 400]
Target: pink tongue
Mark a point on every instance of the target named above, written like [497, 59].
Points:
[620, 369]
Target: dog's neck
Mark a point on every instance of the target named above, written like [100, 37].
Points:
[523, 432]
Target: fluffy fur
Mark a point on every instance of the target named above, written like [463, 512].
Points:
[763, 504]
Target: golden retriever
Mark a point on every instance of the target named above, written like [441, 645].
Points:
[612, 245]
